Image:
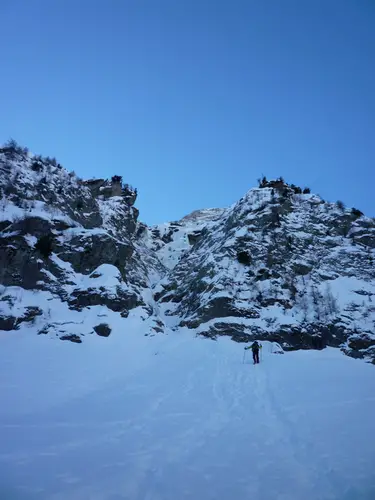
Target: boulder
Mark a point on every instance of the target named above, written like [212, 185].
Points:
[103, 330]
[8, 323]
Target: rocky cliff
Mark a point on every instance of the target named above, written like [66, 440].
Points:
[278, 265]
[67, 247]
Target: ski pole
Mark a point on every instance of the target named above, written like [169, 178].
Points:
[243, 359]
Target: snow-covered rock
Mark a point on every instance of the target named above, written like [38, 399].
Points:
[72, 239]
[278, 265]
[283, 266]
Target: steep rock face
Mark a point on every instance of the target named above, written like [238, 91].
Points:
[72, 240]
[280, 266]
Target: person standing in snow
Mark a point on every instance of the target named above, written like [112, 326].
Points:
[255, 348]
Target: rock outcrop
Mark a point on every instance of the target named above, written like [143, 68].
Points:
[280, 266]
[72, 240]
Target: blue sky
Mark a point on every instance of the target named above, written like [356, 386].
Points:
[192, 100]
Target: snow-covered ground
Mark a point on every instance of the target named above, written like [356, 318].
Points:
[175, 417]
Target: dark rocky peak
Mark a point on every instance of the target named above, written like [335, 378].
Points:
[280, 185]
[276, 184]
[109, 188]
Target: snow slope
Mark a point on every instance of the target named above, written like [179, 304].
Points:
[171, 240]
[172, 417]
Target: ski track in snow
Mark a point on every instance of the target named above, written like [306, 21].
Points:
[197, 423]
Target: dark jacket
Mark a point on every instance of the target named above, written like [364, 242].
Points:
[254, 346]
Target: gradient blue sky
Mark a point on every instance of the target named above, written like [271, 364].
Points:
[192, 100]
